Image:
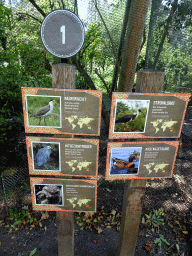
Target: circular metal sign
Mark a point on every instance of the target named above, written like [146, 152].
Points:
[62, 33]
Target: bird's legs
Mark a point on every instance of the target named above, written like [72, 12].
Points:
[44, 120]
[39, 120]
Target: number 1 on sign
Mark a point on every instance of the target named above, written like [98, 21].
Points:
[62, 30]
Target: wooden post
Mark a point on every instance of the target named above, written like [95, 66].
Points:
[63, 77]
[149, 80]
[134, 190]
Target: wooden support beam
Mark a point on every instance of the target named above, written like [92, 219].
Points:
[63, 77]
[134, 191]
[132, 207]
[150, 80]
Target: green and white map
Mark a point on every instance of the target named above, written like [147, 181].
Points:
[74, 201]
[74, 120]
[159, 124]
[152, 167]
[80, 165]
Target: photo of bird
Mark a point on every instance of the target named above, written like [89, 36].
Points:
[44, 111]
[127, 118]
[131, 115]
[43, 155]
[122, 161]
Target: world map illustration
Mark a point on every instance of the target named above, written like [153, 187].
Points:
[159, 124]
[80, 165]
[152, 167]
[74, 201]
[75, 121]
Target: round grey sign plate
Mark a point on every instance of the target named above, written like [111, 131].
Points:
[62, 33]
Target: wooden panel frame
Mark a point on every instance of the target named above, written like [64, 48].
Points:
[162, 147]
[83, 186]
[173, 127]
[82, 147]
[79, 114]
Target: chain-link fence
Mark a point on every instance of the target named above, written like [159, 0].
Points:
[173, 194]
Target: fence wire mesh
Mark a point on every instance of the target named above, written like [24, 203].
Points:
[173, 194]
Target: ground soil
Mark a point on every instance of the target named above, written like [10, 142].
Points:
[173, 195]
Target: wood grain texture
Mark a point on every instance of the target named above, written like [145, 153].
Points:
[134, 190]
[132, 208]
[137, 15]
[63, 77]
[65, 231]
[150, 81]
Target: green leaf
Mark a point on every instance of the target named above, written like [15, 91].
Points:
[16, 222]
[33, 252]
[165, 241]
[31, 220]
[23, 212]
[157, 240]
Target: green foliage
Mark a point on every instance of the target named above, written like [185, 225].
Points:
[121, 108]
[17, 215]
[158, 242]
[155, 218]
[33, 252]
[10, 106]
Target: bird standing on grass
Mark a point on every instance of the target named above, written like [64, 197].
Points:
[127, 118]
[44, 111]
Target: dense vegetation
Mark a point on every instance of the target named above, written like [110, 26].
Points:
[166, 46]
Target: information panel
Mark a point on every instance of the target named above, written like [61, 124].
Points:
[62, 157]
[140, 160]
[147, 115]
[63, 195]
[62, 111]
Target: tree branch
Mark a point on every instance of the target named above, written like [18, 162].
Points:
[103, 80]
[63, 4]
[37, 7]
[51, 5]
[110, 38]
[31, 16]
[166, 29]
[121, 43]
[83, 72]
[144, 39]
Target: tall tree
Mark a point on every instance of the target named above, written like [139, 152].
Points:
[137, 16]
[155, 5]
[166, 30]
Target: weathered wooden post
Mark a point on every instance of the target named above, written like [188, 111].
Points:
[63, 77]
[62, 33]
[134, 191]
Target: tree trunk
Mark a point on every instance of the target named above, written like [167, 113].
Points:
[155, 5]
[137, 16]
[121, 43]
